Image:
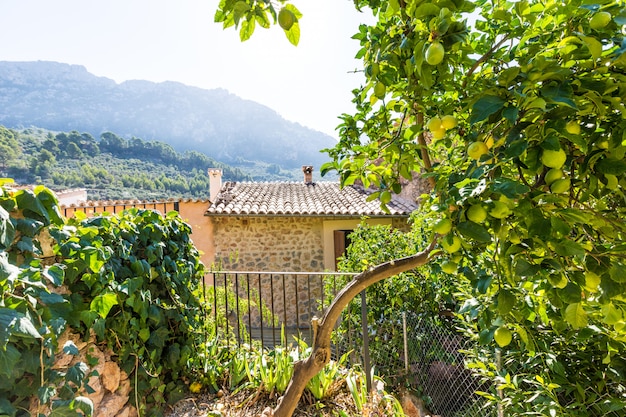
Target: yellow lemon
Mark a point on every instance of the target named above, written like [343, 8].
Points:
[553, 175]
[476, 150]
[449, 267]
[434, 124]
[448, 122]
[451, 244]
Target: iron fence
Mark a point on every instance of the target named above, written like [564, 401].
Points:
[411, 349]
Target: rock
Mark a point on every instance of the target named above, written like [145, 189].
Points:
[111, 375]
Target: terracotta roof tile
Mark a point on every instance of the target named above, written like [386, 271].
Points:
[301, 199]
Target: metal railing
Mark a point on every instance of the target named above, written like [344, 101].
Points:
[253, 305]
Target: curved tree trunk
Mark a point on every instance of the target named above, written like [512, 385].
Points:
[306, 369]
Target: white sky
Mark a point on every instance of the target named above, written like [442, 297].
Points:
[177, 40]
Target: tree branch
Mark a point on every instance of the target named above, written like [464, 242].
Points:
[306, 369]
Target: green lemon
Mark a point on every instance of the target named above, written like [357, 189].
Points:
[477, 213]
[573, 127]
[560, 186]
[435, 53]
[286, 18]
[379, 90]
[599, 20]
[553, 175]
[443, 227]
[451, 244]
[500, 210]
[476, 150]
[449, 267]
[503, 336]
[553, 159]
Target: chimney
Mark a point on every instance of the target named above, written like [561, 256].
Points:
[215, 183]
[308, 173]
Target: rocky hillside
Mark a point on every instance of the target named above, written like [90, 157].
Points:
[64, 97]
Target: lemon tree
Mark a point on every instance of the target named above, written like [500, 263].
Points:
[534, 86]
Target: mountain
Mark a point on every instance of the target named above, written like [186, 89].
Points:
[63, 97]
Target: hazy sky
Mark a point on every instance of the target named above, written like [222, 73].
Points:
[177, 40]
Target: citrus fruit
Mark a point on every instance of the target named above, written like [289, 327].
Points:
[438, 133]
[573, 127]
[489, 142]
[379, 90]
[503, 336]
[553, 159]
[434, 124]
[451, 244]
[560, 186]
[500, 210]
[449, 267]
[477, 149]
[443, 227]
[553, 175]
[599, 20]
[435, 53]
[448, 122]
[286, 18]
[476, 213]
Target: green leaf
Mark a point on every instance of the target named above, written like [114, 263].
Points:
[69, 348]
[569, 248]
[7, 230]
[485, 107]
[618, 272]
[509, 188]
[83, 404]
[247, 29]
[293, 34]
[17, 324]
[55, 274]
[611, 166]
[474, 231]
[27, 201]
[9, 357]
[594, 46]
[77, 373]
[103, 303]
[561, 93]
[576, 316]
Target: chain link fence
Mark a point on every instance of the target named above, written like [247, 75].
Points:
[423, 354]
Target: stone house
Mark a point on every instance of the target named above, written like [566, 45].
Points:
[290, 226]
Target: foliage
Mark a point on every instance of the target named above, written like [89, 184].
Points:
[528, 168]
[131, 280]
[541, 87]
[418, 292]
[109, 167]
[33, 314]
[246, 14]
[134, 279]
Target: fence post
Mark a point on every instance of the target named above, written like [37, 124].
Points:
[406, 345]
[366, 343]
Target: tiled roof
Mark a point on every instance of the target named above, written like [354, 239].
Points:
[301, 199]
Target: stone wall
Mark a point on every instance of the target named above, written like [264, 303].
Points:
[268, 243]
[111, 386]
